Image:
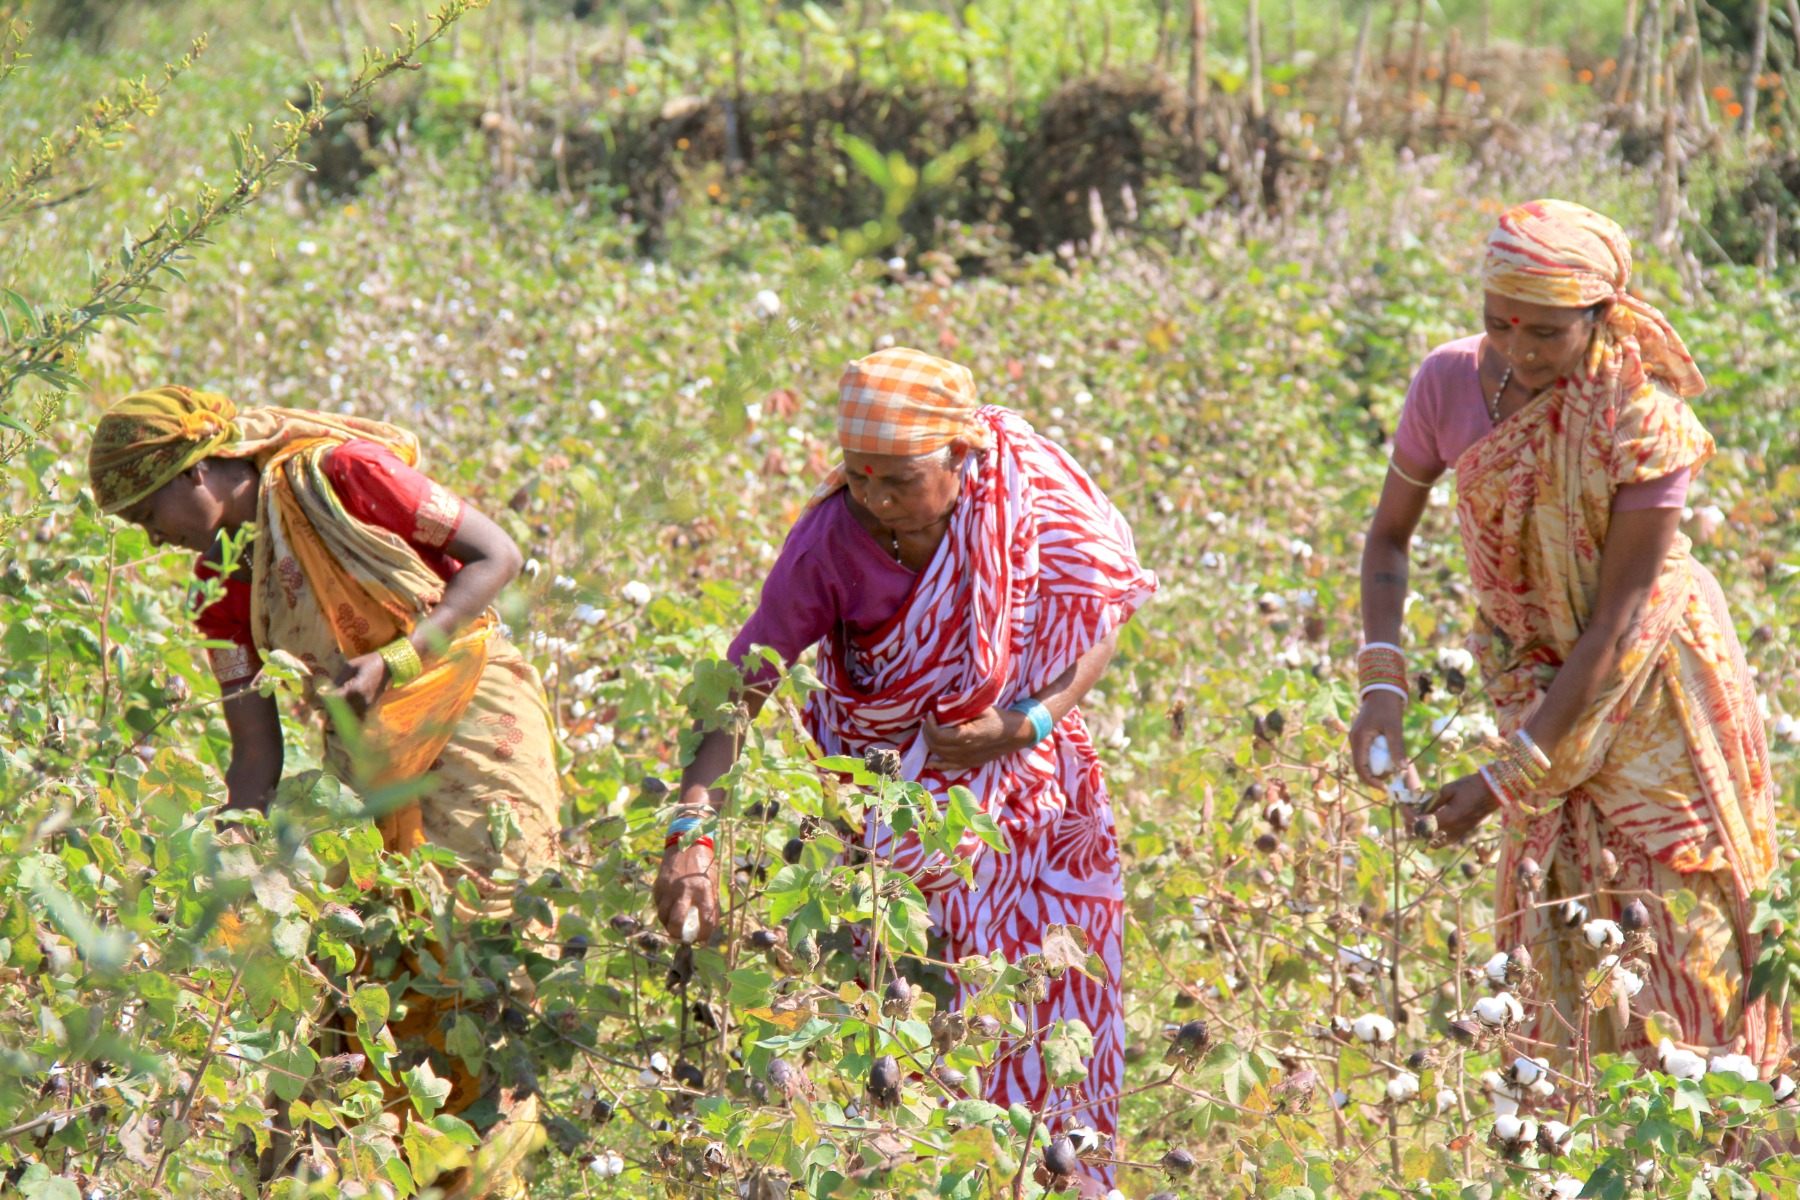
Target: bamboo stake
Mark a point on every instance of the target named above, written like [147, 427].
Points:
[1759, 54]
[1199, 85]
[1253, 35]
[1358, 65]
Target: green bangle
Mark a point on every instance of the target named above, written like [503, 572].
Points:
[402, 661]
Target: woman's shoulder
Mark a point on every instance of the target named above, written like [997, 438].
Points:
[1455, 356]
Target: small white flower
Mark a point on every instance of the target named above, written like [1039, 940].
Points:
[1381, 759]
[1373, 1028]
[766, 304]
[1679, 1063]
[1603, 934]
[1403, 1087]
[636, 593]
[1446, 1101]
[1453, 658]
[1732, 1064]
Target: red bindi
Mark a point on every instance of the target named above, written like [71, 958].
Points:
[1515, 320]
[868, 470]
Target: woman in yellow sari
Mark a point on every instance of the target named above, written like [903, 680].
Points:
[377, 583]
[1636, 767]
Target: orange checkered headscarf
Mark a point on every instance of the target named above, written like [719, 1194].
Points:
[1559, 254]
[904, 402]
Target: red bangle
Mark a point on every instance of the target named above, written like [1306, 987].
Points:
[703, 840]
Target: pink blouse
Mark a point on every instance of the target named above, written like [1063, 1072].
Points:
[831, 571]
[1446, 413]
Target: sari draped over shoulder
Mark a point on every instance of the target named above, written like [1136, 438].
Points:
[1668, 768]
[466, 748]
[1036, 569]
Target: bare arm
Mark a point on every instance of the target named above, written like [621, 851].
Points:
[717, 751]
[1637, 545]
[256, 748]
[997, 733]
[1385, 564]
[490, 560]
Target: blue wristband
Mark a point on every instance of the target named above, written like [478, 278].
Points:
[1042, 721]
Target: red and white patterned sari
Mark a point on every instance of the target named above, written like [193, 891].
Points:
[1037, 568]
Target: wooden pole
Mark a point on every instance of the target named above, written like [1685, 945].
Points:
[1759, 54]
[1793, 11]
[1699, 112]
[1627, 67]
[1358, 66]
[1415, 63]
[1452, 52]
[1253, 36]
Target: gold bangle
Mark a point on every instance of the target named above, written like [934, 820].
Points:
[402, 661]
[1527, 746]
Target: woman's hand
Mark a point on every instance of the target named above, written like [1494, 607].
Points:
[361, 682]
[979, 741]
[1380, 716]
[686, 892]
[1461, 806]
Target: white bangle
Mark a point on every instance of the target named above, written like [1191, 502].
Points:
[1383, 687]
[1382, 646]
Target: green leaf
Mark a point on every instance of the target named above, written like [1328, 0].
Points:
[371, 1004]
[428, 1092]
[1067, 1048]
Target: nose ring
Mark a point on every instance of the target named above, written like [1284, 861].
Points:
[1531, 357]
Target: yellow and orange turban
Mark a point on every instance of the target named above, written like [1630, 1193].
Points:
[1562, 255]
[906, 402]
[147, 439]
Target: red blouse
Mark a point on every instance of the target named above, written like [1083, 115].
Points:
[376, 488]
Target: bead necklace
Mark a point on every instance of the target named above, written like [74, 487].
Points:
[1494, 404]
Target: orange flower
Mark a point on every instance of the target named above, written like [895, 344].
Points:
[1280, 89]
[1474, 87]
[1586, 76]
[1608, 67]
[1458, 79]
[1721, 93]
[681, 143]
[1431, 72]
[714, 190]
[1734, 110]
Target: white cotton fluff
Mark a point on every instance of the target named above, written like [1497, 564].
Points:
[1373, 1028]
[636, 593]
[766, 304]
[1732, 1064]
[1527, 1070]
[1543, 1089]
[1566, 1187]
[1499, 1010]
[1603, 934]
[1572, 913]
[1495, 967]
[1626, 983]
[1453, 658]
[1340, 1098]
[1381, 759]
[1679, 1063]
[1446, 1100]
[1784, 1087]
[1508, 1128]
[1403, 1087]
[1558, 1133]
[690, 927]
[607, 1165]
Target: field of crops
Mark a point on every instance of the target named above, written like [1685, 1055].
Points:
[644, 402]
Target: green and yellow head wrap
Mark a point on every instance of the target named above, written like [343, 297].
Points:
[147, 439]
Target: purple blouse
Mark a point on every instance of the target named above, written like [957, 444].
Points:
[1446, 413]
[830, 571]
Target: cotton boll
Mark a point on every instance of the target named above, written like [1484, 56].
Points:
[690, 927]
[1340, 1098]
[1373, 1028]
[1499, 1010]
[1381, 759]
[1456, 659]
[636, 593]
[1784, 1088]
[1403, 1087]
[1603, 934]
[1565, 1187]
[1543, 1089]
[1526, 1070]
[766, 304]
[1446, 1101]
[1508, 1129]
[1732, 1064]
[1495, 968]
[1626, 983]
[1572, 913]
[1556, 1133]
[1279, 814]
[1679, 1063]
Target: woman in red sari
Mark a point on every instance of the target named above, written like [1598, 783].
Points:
[1636, 766]
[965, 581]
